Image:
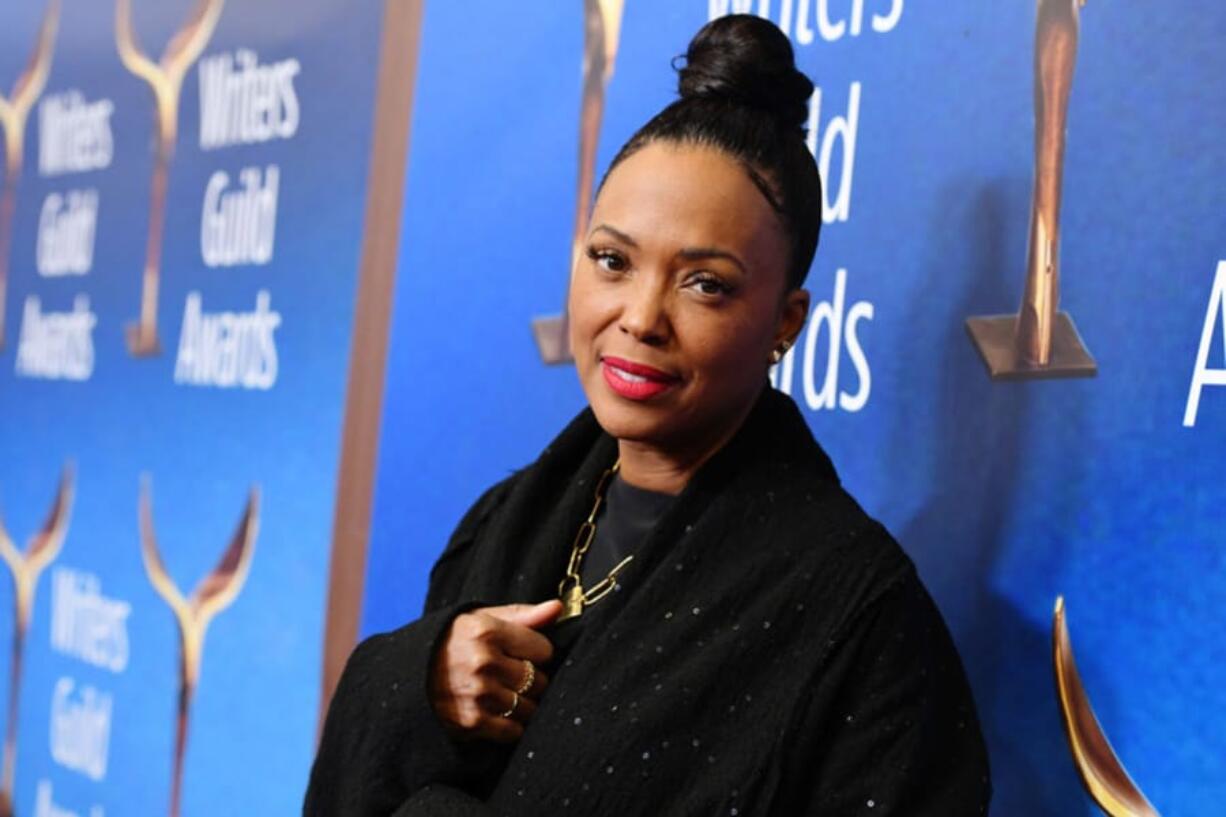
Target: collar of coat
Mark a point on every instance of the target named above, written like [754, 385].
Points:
[768, 505]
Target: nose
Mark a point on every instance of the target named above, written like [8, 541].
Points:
[644, 314]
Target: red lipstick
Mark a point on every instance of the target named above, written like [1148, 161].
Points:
[635, 381]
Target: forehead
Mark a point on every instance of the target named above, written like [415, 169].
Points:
[670, 195]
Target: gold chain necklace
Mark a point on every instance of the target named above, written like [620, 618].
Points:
[575, 598]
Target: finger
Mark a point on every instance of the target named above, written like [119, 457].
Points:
[534, 616]
[504, 704]
[522, 642]
[538, 685]
[513, 672]
[537, 688]
[524, 712]
[476, 723]
[496, 634]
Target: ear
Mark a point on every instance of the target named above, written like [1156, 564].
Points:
[792, 316]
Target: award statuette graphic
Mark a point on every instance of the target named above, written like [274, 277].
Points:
[1106, 779]
[602, 21]
[214, 593]
[13, 114]
[165, 78]
[41, 550]
[1040, 341]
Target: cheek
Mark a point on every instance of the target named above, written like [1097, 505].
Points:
[729, 350]
[586, 315]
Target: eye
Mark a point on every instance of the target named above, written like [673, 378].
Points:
[709, 284]
[608, 260]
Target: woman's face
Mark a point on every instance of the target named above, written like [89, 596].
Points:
[677, 298]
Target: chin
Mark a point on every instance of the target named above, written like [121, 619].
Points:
[628, 421]
[651, 421]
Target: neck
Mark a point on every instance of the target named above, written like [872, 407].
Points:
[669, 469]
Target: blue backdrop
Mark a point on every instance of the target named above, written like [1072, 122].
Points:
[1005, 494]
[202, 446]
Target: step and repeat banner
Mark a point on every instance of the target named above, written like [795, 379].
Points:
[1096, 472]
[181, 221]
[199, 216]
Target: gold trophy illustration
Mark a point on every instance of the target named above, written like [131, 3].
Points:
[602, 30]
[1040, 341]
[165, 78]
[14, 111]
[214, 593]
[1105, 778]
[26, 567]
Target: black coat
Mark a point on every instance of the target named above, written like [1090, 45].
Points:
[771, 651]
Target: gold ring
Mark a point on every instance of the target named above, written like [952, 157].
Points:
[529, 677]
[514, 705]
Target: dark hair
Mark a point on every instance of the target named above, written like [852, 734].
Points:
[741, 93]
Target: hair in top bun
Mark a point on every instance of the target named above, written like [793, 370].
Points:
[748, 61]
[740, 92]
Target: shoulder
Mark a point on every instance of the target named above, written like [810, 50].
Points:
[489, 501]
[888, 716]
[514, 498]
[825, 550]
[832, 536]
[857, 536]
[449, 565]
[563, 453]
[778, 470]
[890, 627]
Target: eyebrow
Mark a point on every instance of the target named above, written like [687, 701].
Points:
[618, 234]
[703, 253]
[688, 253]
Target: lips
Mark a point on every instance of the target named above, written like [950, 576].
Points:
[635, 381]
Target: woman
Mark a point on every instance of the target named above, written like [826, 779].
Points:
[724, 630]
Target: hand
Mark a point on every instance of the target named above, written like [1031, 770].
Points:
[480, 665]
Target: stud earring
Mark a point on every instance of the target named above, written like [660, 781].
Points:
[779, 351]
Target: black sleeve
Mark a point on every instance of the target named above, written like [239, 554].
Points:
[443, 801]
[890, 727]
[381, 740]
